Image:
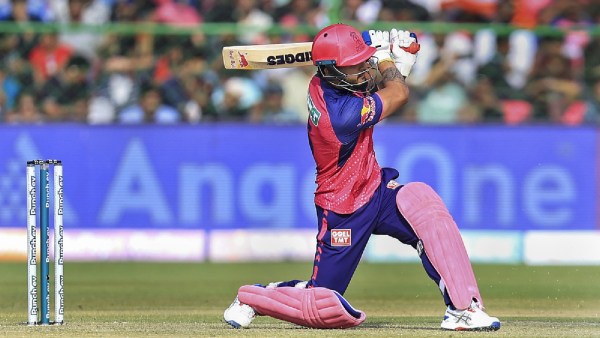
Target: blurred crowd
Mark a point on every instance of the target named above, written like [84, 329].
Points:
[485, 76]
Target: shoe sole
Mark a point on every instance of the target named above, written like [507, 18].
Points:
[494, 327]
[233, 324]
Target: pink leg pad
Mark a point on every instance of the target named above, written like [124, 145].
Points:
[318, 307]
[422, 207]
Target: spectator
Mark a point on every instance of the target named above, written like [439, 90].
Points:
[201, 107]
[236, 98]
[431, 47]
[592, 113]
[444, 97]
[505, 11]
[26, 111]
[176, 13]
[20, 11]
[131, 10]
[48, 58]
[351, 10]
[526, 12]
[553, 87]
[87, 12]
[2, 105]
[187, 89]
[289, 79]
[486, 72]
[218, 11]
[497, 71]
[301, 12]
[403, 10]
[117, 87]
[522, 53]
[10, 89]
[65, 96]
[459, 49]
[366, 12]
[246, 13]
[456, 47]
[295, 99]
[592, 60]
[20, 44]
[15, 48]
[564, 14]
[484, 104]
[171, 50]
[469, 10]
[271, 108]
[150, 109]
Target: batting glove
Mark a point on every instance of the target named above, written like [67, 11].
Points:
[381, 41]
[404, 47]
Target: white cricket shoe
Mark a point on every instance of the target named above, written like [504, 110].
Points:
[471, 319]
[239, 315]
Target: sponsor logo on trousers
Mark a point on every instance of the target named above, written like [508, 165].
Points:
[341, 237]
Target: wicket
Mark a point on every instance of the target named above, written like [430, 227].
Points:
[44, 206]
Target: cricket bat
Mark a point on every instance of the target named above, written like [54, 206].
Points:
[282, 55]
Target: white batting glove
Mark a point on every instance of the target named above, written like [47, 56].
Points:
[404, 48]
[381, 41]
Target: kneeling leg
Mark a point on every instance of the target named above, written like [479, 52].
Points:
[311, 307]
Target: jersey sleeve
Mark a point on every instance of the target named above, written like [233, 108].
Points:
[356, 114]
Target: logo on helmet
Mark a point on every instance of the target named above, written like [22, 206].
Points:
[358, 42]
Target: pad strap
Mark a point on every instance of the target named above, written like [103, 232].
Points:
[318, 307]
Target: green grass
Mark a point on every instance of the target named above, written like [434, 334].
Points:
[183, 300]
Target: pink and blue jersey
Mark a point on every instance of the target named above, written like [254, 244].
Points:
[355, 198]
[340, 131]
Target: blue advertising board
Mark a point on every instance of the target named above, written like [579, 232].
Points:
[224, 176]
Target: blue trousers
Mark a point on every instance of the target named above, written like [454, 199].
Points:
[335, 262]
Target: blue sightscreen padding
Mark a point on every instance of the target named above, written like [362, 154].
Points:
[222, 176]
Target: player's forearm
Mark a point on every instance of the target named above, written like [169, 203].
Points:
[389, 73]
[395, 92]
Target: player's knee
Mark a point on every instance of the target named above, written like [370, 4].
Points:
[416, 195]
[420, 204]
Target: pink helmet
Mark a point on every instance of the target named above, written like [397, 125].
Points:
[340, 45]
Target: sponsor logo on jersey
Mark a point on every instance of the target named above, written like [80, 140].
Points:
[341, 237]
[367, 111]
[313, 113]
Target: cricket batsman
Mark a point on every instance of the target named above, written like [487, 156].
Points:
[360, 81]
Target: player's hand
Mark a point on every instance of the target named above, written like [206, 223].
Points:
[381, 41]
[404, 47]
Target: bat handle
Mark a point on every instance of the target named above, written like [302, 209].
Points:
[366, 38]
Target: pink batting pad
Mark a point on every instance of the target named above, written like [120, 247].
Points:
[423, 208]
[319, 308]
